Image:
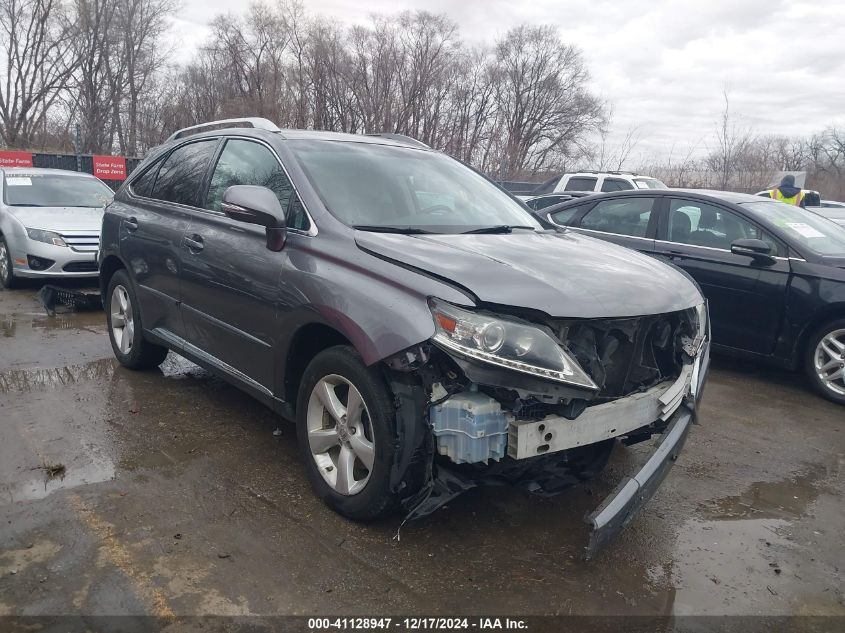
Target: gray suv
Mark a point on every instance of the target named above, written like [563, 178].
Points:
[424, 333]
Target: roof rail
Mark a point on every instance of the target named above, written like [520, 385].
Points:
[402, 138]
[253, 122]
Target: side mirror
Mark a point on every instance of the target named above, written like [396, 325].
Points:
[757, 249]
[257, 205]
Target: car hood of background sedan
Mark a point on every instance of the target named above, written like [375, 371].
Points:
[60, 219]
[560, 274]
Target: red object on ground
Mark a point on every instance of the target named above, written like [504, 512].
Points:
[15, 159]
[110, 167]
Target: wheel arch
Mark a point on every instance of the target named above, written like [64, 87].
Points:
[108, 267]
[308, 341]
[829, 313]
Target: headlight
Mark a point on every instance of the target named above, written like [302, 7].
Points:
[505, 343]
[48, 237]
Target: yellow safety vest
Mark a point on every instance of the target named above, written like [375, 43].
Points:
[775, 194]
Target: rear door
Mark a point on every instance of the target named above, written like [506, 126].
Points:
[230, 282]
[627, 221]
[747, 298]
[152, 227]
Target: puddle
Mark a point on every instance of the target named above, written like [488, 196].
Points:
[786, 499]
[41, 484]
[25, 380]
[724, 567]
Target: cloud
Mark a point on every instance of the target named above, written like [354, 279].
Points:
[663, 64]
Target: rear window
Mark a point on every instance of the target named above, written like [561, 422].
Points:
[542, 203]
[649, 183]
[581, 183]
[615, 184]
[54, 190]
[181, 174]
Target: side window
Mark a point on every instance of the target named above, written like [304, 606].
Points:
[248, 163]
[143, 185]
[626, 216]
[565, 215]
[581, 183]
[181, 174]
[701, 224]
[616, 184]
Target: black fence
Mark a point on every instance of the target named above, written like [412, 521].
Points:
[68, 162]
[518, 187]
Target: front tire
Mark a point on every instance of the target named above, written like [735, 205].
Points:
[346, 429]
[125, 331]
[7, 271]
[824, 361]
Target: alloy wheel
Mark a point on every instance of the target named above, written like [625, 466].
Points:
[829, 361]
[122, 324]
[340, 435]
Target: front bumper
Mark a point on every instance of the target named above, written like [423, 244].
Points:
[67, 261]
[629, 497]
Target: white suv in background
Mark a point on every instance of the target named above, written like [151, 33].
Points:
[599, 181]
[607, 181]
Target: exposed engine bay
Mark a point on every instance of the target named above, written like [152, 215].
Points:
[493, 426]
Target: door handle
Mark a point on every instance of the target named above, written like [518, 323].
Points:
[131, 224]
[194, 243]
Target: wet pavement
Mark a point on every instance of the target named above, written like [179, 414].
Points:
[166, 492]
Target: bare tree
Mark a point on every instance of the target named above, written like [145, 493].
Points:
[732, 141]
[542, 98]
[37, 63]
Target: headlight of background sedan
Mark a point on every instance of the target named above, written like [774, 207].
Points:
[48, 237]
[509, 344]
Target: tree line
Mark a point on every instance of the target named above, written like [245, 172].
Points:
[739, 159]
[518, 107]
[515, 107]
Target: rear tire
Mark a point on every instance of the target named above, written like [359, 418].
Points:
[7, 272]
[125, 329]
[346, 429]
[824, 361]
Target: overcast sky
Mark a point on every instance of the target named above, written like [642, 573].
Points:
[663, 64]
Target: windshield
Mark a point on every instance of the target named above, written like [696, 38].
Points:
[818, 234]
[649, 183]
[376, 186]
[54, 190]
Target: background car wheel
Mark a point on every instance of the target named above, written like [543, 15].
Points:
[124, 321]
[346, 431]
[7, 273]
[825, 361]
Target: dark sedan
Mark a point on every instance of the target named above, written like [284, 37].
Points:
[774, 274]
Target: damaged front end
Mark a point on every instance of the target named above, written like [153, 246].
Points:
[539, 403]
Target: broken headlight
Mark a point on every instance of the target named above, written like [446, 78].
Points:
[505, 343]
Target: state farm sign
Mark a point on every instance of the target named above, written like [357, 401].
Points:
[15, 159]
[110, 167]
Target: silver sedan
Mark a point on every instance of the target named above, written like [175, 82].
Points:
[50, 223]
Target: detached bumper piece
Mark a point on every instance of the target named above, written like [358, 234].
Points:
[617, 510]
[55, 299]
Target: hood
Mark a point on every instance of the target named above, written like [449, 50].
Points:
[60, 219]
[561, 274]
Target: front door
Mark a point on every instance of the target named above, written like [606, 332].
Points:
[230, 280]
[747, 297]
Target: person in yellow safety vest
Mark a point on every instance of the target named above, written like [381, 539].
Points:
[787, 192]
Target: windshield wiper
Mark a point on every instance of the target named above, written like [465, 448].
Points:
[404, 230]
[499, 228]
